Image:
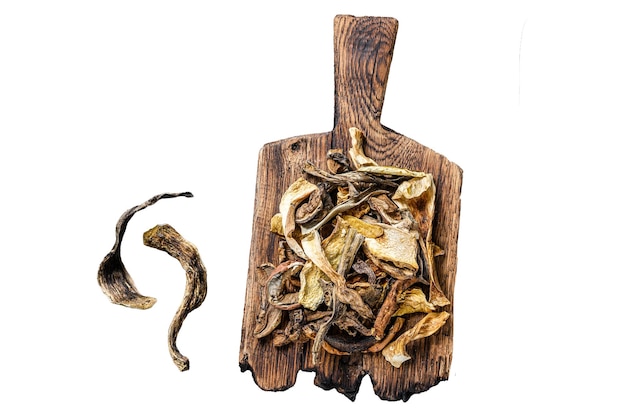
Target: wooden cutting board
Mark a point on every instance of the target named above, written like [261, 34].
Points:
[363, 49]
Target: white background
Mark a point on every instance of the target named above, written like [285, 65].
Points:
[105, 104]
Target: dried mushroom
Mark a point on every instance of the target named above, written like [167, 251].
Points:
[114, 279]
[164, 237]
[395, 352]
[361, 265]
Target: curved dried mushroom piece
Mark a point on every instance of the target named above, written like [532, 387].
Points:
[269, 317]
[336, 161]
[277, 282]
[166, 238]
[395, 247]
[306, 212]
[299, 191]
[396, 353]
[113, 278]
[357, 155]
[362, 234]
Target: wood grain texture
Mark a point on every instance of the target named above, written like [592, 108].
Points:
[363, 52]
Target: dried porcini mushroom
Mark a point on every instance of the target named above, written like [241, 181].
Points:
[164, 237]
[336, 161]
[395, 352]
[114, 279]
[361, 266]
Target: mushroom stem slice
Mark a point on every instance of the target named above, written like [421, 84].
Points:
[381, 170]
[166, 238]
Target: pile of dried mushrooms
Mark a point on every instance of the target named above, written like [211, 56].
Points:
[356, 260]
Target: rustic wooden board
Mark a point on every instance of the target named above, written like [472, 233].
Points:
[363, 51]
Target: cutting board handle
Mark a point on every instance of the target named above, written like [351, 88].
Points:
[363, 52]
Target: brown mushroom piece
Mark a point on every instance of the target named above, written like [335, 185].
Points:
[348, 344]
[348, 178]
[389, 307]
[113, 278]
[268, 317]
[166, 238]
[387, 209]
[293, 331]
[276, 283]
[336, 161]
[341, 208]
[308, 210]
[362, 267]
[417, 195]
[393, 331]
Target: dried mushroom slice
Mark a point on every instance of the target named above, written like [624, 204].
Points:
[395, 252]
[113, 278]
[389, 307]
[275, 287]
[297, 192]
[417, 195]
[268, 317]
[396, 353]
[164, 237]
[437, 297]
[311, 294]
[336, 161]
[391, 171]
[309, 210]
[357, 155]
[413, 301]
[368, 230]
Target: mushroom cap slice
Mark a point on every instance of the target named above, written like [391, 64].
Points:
[394, 246]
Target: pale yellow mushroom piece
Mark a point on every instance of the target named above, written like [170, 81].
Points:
[395, 352]
[368, 230]
[395, 246]
[357, 155]
[276, 224]
[391, 170]
[311, 293]
[413, 301]
[297, 192]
